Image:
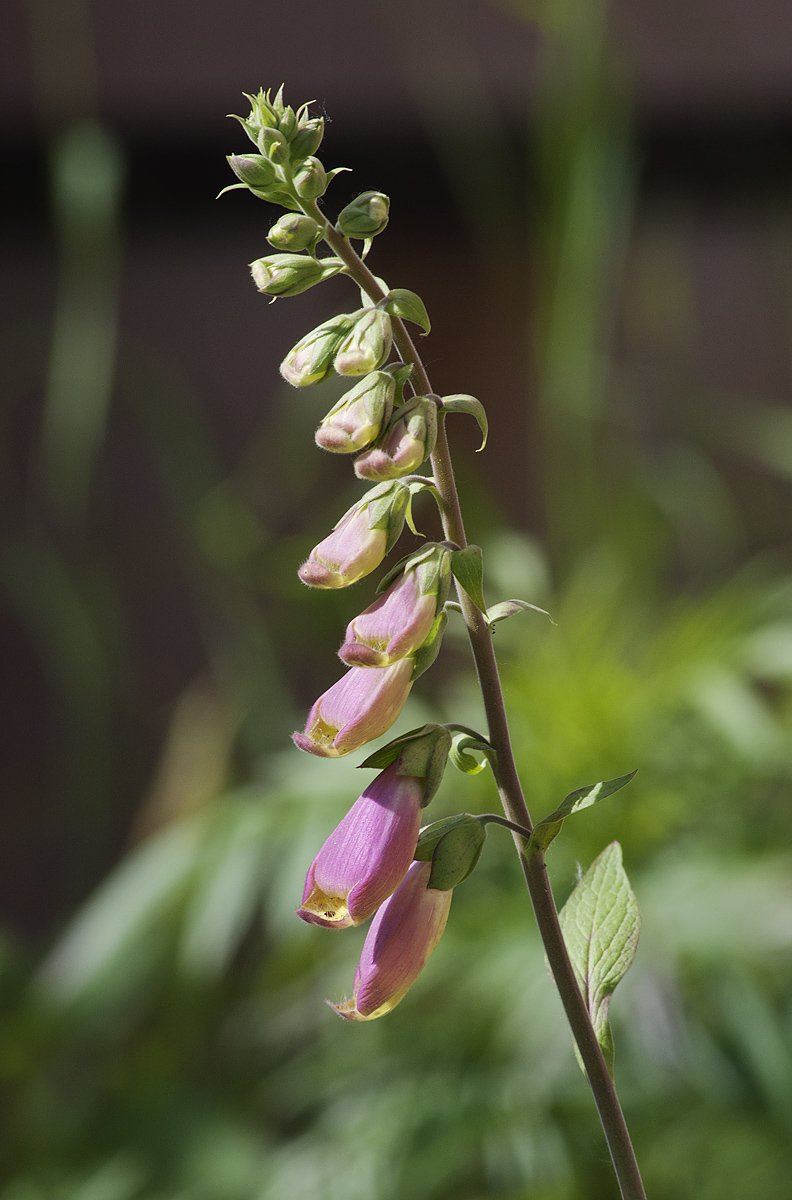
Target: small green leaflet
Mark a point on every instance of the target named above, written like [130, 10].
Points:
[550, 827]
[405, 304]
[601, 924]
[468, 570]
[508, 608]
[472, 406]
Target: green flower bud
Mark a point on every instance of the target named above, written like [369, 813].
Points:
[364, 217]
[311, 360]
[286, 274]
[307, 139]
[294, 232]
[287, 123]
[273, 144]
[367, 344]
[310, 180]
[253, 169]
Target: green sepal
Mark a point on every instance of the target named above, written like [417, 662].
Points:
[464, 762]
[401, 372]
[410, 307]
[601, 925]
[468, 569]
[421, 752]
[471, 406]
[508, 608]
[414, 559]
[428, 651]
[453, 846]
[548, 828]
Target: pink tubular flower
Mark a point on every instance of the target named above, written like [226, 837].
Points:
[368, 855]
[357, 709]
[402, 936]
[392, 627]
[351, 551]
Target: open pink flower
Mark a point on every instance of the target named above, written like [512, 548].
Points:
[392, 627]
[359, 708]
[402, 936]
[367, 855]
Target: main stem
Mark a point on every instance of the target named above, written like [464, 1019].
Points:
[508, 782]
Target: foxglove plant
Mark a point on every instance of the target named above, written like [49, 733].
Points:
[378, 858]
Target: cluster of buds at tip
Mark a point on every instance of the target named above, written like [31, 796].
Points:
[401, 938]
[406, 443]
[283, 138]
[360, 540]
[360, 707]
[399, 623]
[356, 420]
[365, 217]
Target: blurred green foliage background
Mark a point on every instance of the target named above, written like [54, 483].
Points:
[172, 1042]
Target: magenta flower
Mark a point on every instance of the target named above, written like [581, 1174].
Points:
[402, 936]
[392, 627]
[357, 709]
[368, 855]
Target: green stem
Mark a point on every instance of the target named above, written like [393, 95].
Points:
[505, 768]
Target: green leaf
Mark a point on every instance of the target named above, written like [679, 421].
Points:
[468, 569]
[508, 608]
[405, 304]
[548, 828]
[453, 846]
[601, 924]
[474, 408]
[467, 763]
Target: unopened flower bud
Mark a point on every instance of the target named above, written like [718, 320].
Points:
[366, 857]
[273, 144]
[311, 360]
[367, 345]
[408, 441]
[399, 622]
[360, 707]
[286, 274]
[253, 169]
[307, 139]
[310, 180]
[359, 541]
[402, 936]
[365, 216]
[356, 420]
[294, 232]
[287, 122]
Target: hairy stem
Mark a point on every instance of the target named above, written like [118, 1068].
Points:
[507, 779]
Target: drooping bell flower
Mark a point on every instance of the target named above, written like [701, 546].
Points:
[402, 936]
[360, 540]
[356, 420]
[366, 857]
[408, 441]
[311, 360]
[360, 707]
[367, 344]
[400, 621]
